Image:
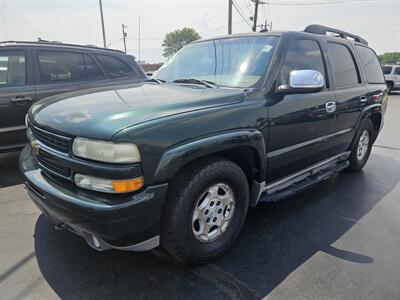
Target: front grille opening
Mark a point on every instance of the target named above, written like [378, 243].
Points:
[54, 167]
[51, 140]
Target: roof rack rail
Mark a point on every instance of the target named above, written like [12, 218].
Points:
[320, 29]
[57, 43]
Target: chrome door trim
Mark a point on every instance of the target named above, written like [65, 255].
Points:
[12, 128]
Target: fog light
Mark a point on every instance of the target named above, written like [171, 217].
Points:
[108, 185]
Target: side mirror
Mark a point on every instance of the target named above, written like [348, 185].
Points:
[303, 81]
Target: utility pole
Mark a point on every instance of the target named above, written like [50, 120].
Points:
[102, 25]
[256, 3]
[230, 16]
[139, 40]
[124, 35]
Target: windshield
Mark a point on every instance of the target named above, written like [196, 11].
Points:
[233, 62]
[387, 70]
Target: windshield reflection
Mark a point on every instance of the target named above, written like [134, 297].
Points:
[232, 62]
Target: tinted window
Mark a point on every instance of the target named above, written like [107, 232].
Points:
[397, 71]
[92, 70]
[61, 66]
[115, 67]
[12, 68]
[303, 55]
[387, 70]
[372, 67]
[344, 67]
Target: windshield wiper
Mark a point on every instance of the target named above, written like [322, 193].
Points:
[205, 83]
[159, 81]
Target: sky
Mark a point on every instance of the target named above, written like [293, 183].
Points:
[78, 21]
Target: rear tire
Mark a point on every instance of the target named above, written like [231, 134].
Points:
[362, 148]
[198, 223]
[390, 87]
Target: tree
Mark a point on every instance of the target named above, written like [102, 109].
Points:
[175, 40]
[389, 58]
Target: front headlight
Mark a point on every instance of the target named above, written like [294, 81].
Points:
[106, 151]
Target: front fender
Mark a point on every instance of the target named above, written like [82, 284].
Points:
[177, 157]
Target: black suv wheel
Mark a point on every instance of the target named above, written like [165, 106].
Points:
[390, 87]
[205, 211]
[362, 149]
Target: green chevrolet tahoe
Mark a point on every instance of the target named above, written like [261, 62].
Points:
[226, 123]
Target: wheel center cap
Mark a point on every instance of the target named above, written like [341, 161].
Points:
[213, 213]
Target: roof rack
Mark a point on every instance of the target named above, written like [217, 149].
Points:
[320, 29]
[57, 43]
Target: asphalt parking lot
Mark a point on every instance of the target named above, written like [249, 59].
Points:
[338, 240]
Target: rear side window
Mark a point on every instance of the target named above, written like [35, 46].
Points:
[12, 68]
[397, 71]
[115, 67]
[92, 70]
[61, 66]
[372, 67]
[303, 55]
[344, 66]
[387, 70]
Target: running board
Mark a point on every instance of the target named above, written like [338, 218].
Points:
[303, 179]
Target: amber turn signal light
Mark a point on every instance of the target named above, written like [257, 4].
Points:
[130, 185]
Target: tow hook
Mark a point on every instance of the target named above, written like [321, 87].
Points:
[60, 227]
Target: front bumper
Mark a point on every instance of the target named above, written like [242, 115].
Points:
[128, 222]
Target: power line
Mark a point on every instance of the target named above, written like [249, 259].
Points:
[239, 8]
[201, 2]
[240, 13]
[220, 27]
[319, 2]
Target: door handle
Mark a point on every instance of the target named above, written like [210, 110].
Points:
[21, 100]
[330, 107]
[363, 99]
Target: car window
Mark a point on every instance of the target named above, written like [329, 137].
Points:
[115, 67]
[344, 66]
[12, 68]
[397, 71]
[303, 55]
[372, 67]
[231, 62]
[93, 72]
[387, 70]
[58, 66]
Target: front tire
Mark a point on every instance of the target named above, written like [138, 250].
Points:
[205, 211]
[362, 149]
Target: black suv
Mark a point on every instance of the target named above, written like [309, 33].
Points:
[30, 71]
[225, 124]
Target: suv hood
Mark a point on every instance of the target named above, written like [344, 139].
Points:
[100, 113]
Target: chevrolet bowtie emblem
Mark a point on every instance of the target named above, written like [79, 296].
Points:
[35, 147]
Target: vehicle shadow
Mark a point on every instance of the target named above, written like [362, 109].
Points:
[9, 171]
[277, 239]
